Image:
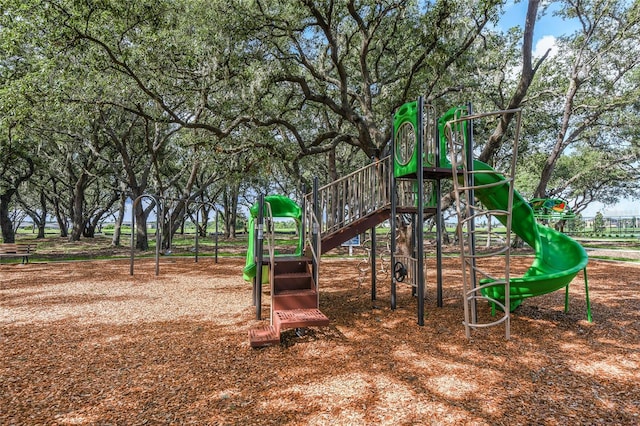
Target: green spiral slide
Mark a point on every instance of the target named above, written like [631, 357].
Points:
[558, 258]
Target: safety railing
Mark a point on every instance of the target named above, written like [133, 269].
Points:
[313, 244]
[269, 236]
[353, 196]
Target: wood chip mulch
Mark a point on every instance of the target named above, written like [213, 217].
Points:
[85, 343]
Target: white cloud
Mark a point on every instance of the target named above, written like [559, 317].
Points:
[545, 43]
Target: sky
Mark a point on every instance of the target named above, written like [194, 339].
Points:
[548, 27]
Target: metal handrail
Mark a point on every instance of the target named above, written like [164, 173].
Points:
[353, 196]
[314, 243]
[270, 231]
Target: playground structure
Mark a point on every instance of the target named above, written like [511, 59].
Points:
[552, 212]
[426, 149]
[551, 209]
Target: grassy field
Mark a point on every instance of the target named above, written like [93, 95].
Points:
[53, 247]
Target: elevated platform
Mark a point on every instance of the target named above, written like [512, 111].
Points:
[430, 172]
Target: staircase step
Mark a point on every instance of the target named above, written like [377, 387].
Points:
[292, 281]
[285, 275]
[265, 335]
[295, 292]
[291, 265]
[298, 318]
[294, 299]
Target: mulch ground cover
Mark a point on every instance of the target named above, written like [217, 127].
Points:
[87, 343]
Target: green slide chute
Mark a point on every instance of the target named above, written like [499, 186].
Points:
[281, 207]
[558, 258]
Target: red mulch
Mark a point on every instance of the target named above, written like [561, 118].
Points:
[85, 343]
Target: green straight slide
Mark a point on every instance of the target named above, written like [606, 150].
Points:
[558, 258]
[281, 207]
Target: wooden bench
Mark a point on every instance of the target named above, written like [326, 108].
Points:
[23, 250]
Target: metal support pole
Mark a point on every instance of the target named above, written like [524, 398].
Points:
[472, 223]
[216, 238]
[392, 221]
[373, 263]
[316, 232]
[258, 256]
[439, 244]
[303, 225]
[414, 244]
[419, 232]
[159, 221]
[133, 238]
[197, 232]
[586, 292]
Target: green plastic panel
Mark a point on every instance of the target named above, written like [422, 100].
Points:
[281, 207]
[454, 113]
[405, 139]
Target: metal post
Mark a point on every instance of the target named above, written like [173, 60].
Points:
[303, 225]
[394, 206]
[258, 256]
[159, 220]
[586, 292]
[216, 238]
[414, 244]
[472, 222]
[254, 292]
[373, 263]
[133, 239]
[420, 241]
[439, 244]
[197, 232]
[315, 232]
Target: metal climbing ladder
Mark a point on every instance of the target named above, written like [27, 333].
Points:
[479, 267]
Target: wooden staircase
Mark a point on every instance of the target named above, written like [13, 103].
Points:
[294, 301]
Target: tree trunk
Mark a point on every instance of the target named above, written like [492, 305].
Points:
[173, 222]
[142, 241]
[230, 210]
[6, 224]
[42, 220]
[78, 221]
[8, 234]
[41, 230]
[89, 230]
[561, 143]
[60, 216]
[117, 229]
[62, 223]
[93, 222]
[443, 229]
[528, 72]
[38, 216]
[204, 221]
[489, 234]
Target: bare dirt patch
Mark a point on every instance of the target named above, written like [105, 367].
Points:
[86, 343]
